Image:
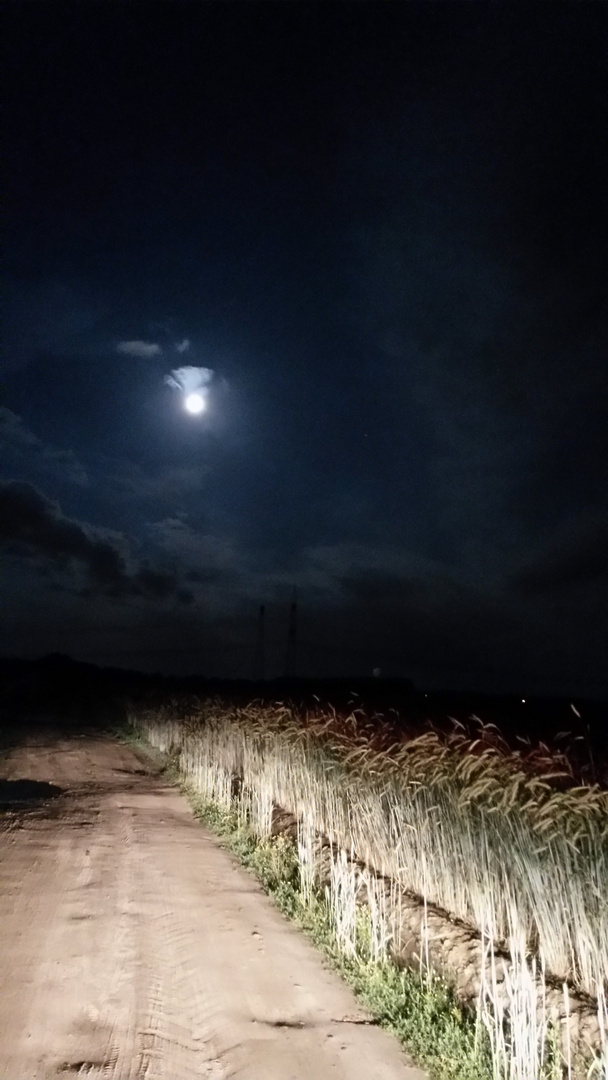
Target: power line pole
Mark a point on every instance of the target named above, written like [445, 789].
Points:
[290, 656]
[259, 662]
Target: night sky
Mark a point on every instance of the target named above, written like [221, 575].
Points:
[381, 228]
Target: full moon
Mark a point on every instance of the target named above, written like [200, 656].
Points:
[194, 403]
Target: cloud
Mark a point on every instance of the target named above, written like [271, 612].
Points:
[175, 535]
[182, 346]
[189, 379]
[159, 585]
[209, 559]
[66, 464]
[144, 349]
[169, 485]
[18, 438]
[363, 606]
[34, 526]
[14, 433]
[577, 558]
[332, 571]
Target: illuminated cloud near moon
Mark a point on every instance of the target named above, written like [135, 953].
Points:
[191, 382]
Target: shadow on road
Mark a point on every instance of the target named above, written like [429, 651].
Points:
[26, 792]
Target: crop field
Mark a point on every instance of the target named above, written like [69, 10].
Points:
[476, 870]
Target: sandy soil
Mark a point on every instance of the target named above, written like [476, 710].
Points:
[133, 946]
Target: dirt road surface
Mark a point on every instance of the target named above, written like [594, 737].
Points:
[133, 947]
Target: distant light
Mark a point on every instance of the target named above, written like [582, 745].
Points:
[523, 701]
[195, 403]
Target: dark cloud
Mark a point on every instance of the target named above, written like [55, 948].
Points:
[445, 634]
[159, 585]
[65, 464]
[13, 431]
[201, 577]
[578, 559]
[24, 445]
[204, 553]
[34, 526]
[169, 484]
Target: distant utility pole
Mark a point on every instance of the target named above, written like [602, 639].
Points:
[259, 662]
[290, 656]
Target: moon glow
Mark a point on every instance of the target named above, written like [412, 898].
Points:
[194, 403]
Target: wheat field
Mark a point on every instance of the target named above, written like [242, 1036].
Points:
[504, 841]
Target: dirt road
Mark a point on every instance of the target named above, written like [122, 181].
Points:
[132, 946]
